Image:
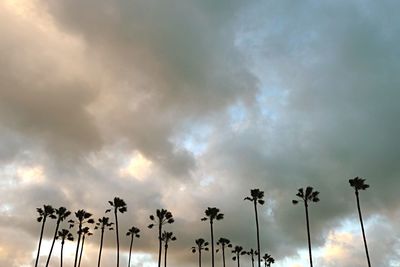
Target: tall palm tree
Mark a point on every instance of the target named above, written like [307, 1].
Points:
[309, 195]
[102, 224]
[222, 243]
[167, 237]
[85, 232]
[162, 217]
[64, 234]
[201, 244]
[268, 260]
[133, 232]
[358, 184]
[61, 213]
[46, 212]
[82, 217]
[211, 215]
[119, 205]
[237, 251]
[251, 253]
[256, 196]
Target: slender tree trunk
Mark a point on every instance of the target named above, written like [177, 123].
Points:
[77, 244]
[212, 244]
[80, 256]
[130, 251]
[159, 244]
[62, 248]
[362, 229]
[252, 260]
[223, 255]
[238, 258]
[40, 241]
[258, 235]
[165, 255]
[116, 231]
[199, 257]
[308, 234]
[101, 246]
[52, 244]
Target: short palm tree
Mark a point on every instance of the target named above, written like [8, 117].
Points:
[102, 224]
[268, 260]
[167, 237]
[82, 217]
[133, 232]
[85, 232]
[46, 212]
[256, 196]
[308, 195]
[61, 213]
[211, 215]
[238, 251]
[162, 217]
[64, 234]
[251, 253]
[222, 243]
[201, 244]
[119, 205]
[359, 184]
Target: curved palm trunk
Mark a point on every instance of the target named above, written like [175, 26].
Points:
[159, 244]
[362, 229]
[116, 231]
[199, 257]
[308, 234]
[80, 256]
[130, 252]
[212, 244]
[252, 261]
[52, 244]
[258, 236]
[101, 246]
[40, 241]
[165, 255]
[223, 255]
[62, 249]
[77, 245]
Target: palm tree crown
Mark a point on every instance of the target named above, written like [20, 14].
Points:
[308, 196]
[119, 205]
[211, 215]
[201, 244]
[133, 232]
[46, 212]
[358, 184]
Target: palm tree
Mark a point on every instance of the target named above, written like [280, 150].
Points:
[268, 260]
[133, 232]
[163, 217]
[358, 184]
[223, 242]
[103, 224]
[307, 196]
[64, 234]
[237, 251]
[201, 244]
[119, 205]
[211, 215]
[166, 237]
[46, 212]
[257, 198]
[251, 253]
[62, 213]
[82, 217]
[85, 232]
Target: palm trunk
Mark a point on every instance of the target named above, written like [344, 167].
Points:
[308, 234]
[62, 248]
[116, 231]
[77, 244]
[159, 244]
[80, 256]
[252, 260]
[238, 258]
[165, 255]
[212, 244]
[40, 241]
[101, 246]
[362, 229]
[130, 251]
[258, 235]
[52, 244]
[199, 257]
[223, 255]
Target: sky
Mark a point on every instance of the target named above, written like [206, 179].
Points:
[188, 104]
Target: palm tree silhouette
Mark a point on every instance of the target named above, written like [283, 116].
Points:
[201, 244]
[64, 234]
[85, 232]
[358, 184]
[237, 251]
[102, 224]
[211, 215]
[167, 237]
[223, 242]
[268, 260]
[82, 217]
[257, 198]
[46, 212]
[307, 196]
[119, 205]
[251, 253]
[62, 213]
[133, 232]
[163, 217]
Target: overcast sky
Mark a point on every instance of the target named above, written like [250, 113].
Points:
[189, 104]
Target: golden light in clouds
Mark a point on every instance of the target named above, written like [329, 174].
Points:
[31, 175]
[337, 246]
[138, 167]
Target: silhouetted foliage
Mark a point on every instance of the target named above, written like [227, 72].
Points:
[132, 232]
[238, 251]
[308, 195]
[119, 205]
[251, 253]
[167, 237]
[359, 184]
[102, 224]
[211, 215]
[257, 198]
[222, 243]
[85, 232]
[64, 234]
[201, 244]
[162, 217]
[268, 260]
[46, 212]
